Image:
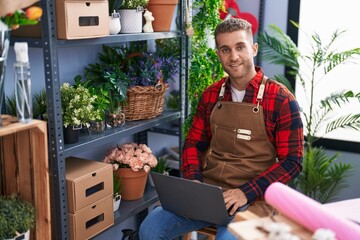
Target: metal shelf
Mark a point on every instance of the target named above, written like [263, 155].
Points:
[58, 151]
[111, 135]
[118, 38]
[37, 42]
[131, 208]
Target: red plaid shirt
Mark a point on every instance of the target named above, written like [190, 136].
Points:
[283, 125]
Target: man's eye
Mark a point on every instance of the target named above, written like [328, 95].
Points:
[239, 48]
[225, 51]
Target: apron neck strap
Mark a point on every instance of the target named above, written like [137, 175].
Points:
[259, 96]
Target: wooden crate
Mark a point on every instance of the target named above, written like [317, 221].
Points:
[24, 169]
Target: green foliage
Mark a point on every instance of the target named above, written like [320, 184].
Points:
[116, 184]
[168, 47]
[277, 48]
[205, 68]
[77, 105]
[108, 76]
[161, 166]
[322, 177]
[38, 104]
[114, 5]
[173, 100]
[10, 104]
[133, 4]
[16, 215]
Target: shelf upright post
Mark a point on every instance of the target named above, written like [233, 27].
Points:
[55, 125]
[184, 70]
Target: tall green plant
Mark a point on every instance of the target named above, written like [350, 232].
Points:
[322, 177]
[204, 66]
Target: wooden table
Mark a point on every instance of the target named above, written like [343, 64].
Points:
[248, 226]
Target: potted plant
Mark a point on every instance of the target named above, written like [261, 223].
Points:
[149, 74]
[100, 104]
[17, 217]
[322, 178]
[77, 110]
[107, 80]
[163, 12]
[131, 15]
[130, 73]
[38, 104]
[131, 163]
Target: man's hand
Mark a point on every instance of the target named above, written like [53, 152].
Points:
[234, 198]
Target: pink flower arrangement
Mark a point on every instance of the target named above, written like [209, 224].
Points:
[131, 155]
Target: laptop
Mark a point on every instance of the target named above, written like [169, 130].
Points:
[191, 199]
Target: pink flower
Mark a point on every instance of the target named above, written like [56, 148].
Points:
[131, 155]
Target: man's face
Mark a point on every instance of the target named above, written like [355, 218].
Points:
[236, 53]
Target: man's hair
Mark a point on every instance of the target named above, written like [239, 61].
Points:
[232, 25]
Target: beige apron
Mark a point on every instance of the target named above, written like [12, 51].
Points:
[240, 149]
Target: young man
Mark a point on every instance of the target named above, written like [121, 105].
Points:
[247, 133]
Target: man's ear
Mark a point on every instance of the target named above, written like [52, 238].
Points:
[255, 48]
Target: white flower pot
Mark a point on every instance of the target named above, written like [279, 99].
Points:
[131, 21]
[116, 201]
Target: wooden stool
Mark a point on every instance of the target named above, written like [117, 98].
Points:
[210, 232]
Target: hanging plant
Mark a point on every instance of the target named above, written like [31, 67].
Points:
[205, 68]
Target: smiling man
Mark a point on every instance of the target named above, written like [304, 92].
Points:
[247, 133]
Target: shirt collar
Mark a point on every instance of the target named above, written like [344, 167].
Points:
[256, 81]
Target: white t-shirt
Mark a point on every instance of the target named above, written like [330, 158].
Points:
[237, 96]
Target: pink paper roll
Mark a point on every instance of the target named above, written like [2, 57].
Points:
[309, 213]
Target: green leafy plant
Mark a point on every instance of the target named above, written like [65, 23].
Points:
[322, 177]
[108, 76]
[173, 100]
[205, 67]
[101, 102]
[38, 104]
[133, 4]
[114, 5]
[10, 104]
[77, 105]
[161, 166]
[16, 216]
[117, 185]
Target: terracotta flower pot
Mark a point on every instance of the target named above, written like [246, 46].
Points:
[163, 12]
[132, 183]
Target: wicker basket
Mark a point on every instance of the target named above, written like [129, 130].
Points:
[145, 102]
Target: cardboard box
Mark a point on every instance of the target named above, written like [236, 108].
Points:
[82, 19]
[92, 219]
[87, 181]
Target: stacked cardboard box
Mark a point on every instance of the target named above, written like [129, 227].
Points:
[82, 19]
[90, 203]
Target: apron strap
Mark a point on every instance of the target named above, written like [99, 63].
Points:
[260, 94]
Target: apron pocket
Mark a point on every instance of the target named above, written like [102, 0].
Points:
[224, 139]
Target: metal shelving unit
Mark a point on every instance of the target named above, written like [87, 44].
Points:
[58, 151]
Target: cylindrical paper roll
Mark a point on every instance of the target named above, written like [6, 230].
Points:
[309, 213]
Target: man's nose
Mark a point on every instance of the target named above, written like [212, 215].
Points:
[233, 55]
